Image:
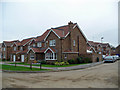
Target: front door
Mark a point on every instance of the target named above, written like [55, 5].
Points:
[22, 58]
[14, 58]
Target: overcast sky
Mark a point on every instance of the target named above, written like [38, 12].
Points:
[30, 18]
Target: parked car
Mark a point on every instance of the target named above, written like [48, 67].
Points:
[116, 57]
[109, 59]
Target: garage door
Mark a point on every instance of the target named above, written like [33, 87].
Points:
[22, 58]
[14, 58]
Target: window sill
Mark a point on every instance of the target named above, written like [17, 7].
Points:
[50, 59]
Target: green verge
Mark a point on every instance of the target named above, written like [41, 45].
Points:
[46, 65]
[20, 68]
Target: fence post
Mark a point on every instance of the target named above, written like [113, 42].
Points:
[31, 65]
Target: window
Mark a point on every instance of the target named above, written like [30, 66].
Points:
[33, 45]
[65, 56]
[4, 49]
[39, 44]
[50, 56]
[45, 44]
[28, 47]
[32, 56]
[52, 43]
[21, 48]
[4, 56]
[73, 42]
[14, 48]
[99, 52]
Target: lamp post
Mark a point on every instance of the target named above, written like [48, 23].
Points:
[101, 39]
[102, 48]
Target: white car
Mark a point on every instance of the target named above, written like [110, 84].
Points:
[116, 57]
[109, 59]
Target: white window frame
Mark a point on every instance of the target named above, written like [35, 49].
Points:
[21, 48]
[4, 55]
[50, 56]
[52, 43]
[39, 44]
[65, 56]
[32, 56]
[73, 42]
[28, 47]
[4, 49]
[33, 45]
[14, 48]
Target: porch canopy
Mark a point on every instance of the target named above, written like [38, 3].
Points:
[49, 53]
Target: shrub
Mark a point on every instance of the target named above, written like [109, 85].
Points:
[43, 62]
[80, 60]
[88, 60]
[71, 61]
[66, 63]
[61, 63]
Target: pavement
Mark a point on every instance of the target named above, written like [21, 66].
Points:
[61, 68]
[100, 76]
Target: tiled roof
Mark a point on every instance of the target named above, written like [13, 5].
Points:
[9, 43]
[61, 31]
[37, 50]
[18, 43]
[98, 43]
[41, 38]
[52, 49]
[14, 52]
[105, 44]
[22, 52]
[24, 41]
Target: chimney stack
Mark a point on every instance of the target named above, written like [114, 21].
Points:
[70, 25]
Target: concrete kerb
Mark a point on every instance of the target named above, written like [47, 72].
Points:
[56, 70]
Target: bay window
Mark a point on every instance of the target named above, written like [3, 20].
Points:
[32, 57]
[50, 56]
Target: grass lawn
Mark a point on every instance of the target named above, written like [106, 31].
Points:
[46, 65]
[20, 68]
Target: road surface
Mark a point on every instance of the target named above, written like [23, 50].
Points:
[100, 76]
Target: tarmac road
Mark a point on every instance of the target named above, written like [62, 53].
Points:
[100, 76]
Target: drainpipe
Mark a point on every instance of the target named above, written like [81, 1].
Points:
[61, 48]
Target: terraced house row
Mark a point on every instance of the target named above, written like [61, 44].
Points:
[55, 44]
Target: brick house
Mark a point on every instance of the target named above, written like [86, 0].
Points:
[60, 43]
[6, 49]
[101, 48]
[0, 50]
[106, 48]
[19, 50]
[92, 53]
[118, 50]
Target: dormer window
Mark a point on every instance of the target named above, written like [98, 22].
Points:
[52, 43]
[14, 48]
[39, 44]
